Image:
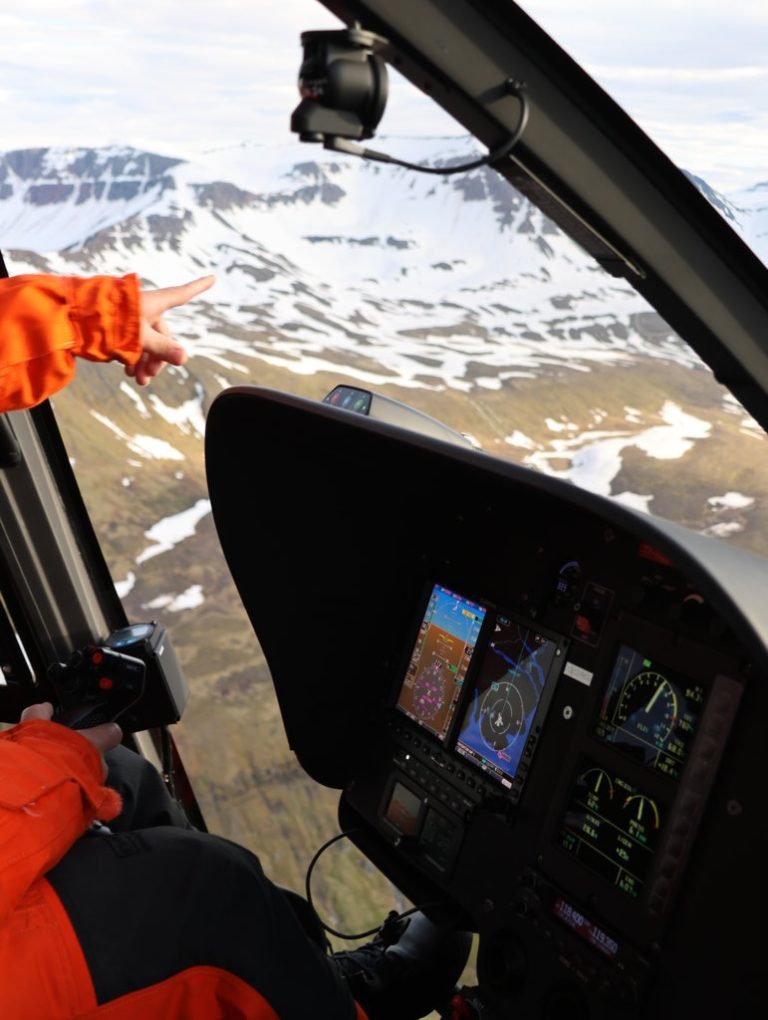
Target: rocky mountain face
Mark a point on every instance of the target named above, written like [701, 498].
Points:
[453, 294]
[413, 281]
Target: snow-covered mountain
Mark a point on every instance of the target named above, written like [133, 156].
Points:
[407, 279]
[745, 210]
[751, 217]
[336, 268]
[331, 270]
[54, 199]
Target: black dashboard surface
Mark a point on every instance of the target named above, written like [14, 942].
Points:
[544, 710]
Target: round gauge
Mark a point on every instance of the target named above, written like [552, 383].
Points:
[429, 692]
[597, 781]
[647, 707]
[642, 811]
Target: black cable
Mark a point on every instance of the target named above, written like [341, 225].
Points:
[515, 88]
[391, 919]
[166, 751]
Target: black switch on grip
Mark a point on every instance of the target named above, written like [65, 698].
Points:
[96, 685]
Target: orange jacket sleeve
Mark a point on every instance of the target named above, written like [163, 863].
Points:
[51, 789]
[48, 321]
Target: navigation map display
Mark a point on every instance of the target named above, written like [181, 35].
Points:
[440, 660]
[650, 713]
[506, 699]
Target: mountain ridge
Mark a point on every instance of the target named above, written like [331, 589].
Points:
[281, 237]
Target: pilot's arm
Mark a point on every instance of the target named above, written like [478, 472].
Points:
[46, 322]
[51, 790]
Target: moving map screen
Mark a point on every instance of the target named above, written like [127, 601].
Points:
[507, 696]
[440, 660]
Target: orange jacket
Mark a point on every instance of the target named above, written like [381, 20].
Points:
[50, 791]
[50, 777]
[48, 321]
[51, 785]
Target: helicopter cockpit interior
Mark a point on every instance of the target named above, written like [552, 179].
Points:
[543, 711]
[541, 708]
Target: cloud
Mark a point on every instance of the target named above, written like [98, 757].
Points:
[159, 73]
[170, 76]
[692, 73]
[184, 76]
[707, 76]
[666, 32]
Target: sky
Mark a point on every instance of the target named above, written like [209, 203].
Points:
[184, 76]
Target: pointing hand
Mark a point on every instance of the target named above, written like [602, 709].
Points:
[158, 345]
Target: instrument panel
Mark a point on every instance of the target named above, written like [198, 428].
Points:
[589, 752]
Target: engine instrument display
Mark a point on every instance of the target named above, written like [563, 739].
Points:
[440, 660]
[611, 826]
[507, 698]
[650, 713]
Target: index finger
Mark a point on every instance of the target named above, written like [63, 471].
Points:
[155, 302]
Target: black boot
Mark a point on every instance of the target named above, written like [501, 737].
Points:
[409, 969]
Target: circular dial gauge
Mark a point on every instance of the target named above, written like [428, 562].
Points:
[648, 707]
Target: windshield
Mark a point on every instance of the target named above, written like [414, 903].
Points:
[695, 77]
[166, 151]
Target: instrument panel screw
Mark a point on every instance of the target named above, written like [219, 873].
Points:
[733, 808]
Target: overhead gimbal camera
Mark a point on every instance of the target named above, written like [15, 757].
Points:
[343, 85]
